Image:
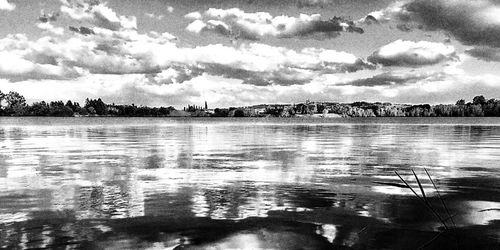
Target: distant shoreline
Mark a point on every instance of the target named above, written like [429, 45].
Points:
[145, 121]
[15, 105]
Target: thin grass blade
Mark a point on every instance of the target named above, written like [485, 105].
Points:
[420, 186]
[441, 198]
[423, 201]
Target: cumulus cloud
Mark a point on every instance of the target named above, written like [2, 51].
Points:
[173, 75]
[48, 27]
[408, 53]
[124, 65]
[252, 26]
[121, 51]
[18, 63]
[103, 51]
[393, 11]
[153, 16]
[48, 17]
[196, 26]
[193, 15]
[45, 23]
[471, 22]
[6, 5]
[221, 92]
[55, 58]
[98, 14]
[261, 64]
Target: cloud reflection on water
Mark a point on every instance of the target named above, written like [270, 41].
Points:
[225, 171]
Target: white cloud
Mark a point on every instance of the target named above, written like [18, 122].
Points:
[128, 52]
[252, 26]
[193, 15]
[408, 53]
[262, 64]
[121, 65]
[387, 14]
[151, 15]
[112, 47]
[48, 27]
[196, 26]
[97, 14]
[127, 67]
[5, 5]
[221, 92]
[20, 63]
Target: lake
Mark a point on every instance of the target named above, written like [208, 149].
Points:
[198, 183]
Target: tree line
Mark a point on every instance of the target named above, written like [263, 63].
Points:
[478, 107]
[14, 104]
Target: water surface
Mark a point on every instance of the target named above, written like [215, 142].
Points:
[247, 183]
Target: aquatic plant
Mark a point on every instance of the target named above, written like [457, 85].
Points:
[425, 201]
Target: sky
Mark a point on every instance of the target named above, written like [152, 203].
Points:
[245, 52]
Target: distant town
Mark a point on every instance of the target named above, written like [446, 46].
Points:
[14, 104]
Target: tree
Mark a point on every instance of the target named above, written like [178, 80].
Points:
[16, 104]
[479, 100]
[460, 102]
[99, 107]
[59, 109]
[71, 105]
[39, 109]
[14, 98]
[91, 110]
[2, 97]
[81, 111]
[239, 113]
[476, 110]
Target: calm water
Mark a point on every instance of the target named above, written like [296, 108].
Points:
[222, 184]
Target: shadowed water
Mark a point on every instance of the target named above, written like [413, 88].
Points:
[271, 184]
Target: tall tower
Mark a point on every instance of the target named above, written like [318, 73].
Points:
[206, 106]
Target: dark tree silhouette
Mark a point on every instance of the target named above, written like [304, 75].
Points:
[14, 104]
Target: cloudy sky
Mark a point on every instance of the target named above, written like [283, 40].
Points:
[243, 52]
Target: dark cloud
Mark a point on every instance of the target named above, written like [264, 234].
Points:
[462, 18]
[82, 30]
[471, 22]
[50, 17]
[369, 19]
[386, 79]
[314, 3]
[39, 74]
[332, 26]
[283, 77]
[485, 53]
